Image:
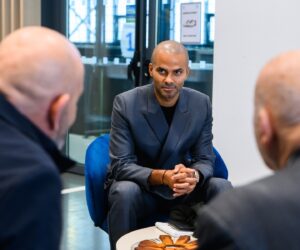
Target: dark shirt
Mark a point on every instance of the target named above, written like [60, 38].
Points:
[30, 185]
[10, 116]
[169, 113]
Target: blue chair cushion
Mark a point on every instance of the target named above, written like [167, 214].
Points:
[96, 164]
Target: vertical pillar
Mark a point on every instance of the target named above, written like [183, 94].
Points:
[15, 14]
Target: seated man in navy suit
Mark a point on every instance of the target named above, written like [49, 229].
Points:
[41, 79]
[161, 145]
[264, 214]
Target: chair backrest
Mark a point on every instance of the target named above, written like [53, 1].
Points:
[220, 169]
[96, 164]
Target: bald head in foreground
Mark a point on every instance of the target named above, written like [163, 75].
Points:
[41, 79]
[265, 214]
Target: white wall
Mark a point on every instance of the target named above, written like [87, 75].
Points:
[248, 33]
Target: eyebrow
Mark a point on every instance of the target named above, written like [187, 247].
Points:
[162, 68]
[179, 69]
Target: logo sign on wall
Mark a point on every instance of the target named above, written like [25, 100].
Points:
[128, 40]
[190, 23]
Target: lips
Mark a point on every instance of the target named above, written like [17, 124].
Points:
[168, 88]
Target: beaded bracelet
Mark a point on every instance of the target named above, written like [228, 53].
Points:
[162, 178]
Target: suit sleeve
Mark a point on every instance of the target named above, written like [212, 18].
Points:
[202, 152]
[212, 232]
[122, 150]
[33, 200]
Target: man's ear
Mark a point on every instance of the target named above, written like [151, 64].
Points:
[265, 127]
[57, 110]
[150, 69]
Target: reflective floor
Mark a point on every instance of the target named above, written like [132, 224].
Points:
[79, 232]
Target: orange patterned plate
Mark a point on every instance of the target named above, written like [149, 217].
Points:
[166, 242]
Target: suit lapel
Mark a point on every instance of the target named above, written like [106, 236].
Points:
[180, 120]
[155, 116]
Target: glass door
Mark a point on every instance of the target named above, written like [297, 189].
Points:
[104, 32]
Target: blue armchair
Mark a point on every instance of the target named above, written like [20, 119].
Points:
[96, 163]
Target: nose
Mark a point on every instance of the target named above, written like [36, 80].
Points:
[168, 79]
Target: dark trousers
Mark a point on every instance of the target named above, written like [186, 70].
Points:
[129, 205]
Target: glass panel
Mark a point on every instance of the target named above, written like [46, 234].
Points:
[201, 52]
[104, 32]
[82, 21]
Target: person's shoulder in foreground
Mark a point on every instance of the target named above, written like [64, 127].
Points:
[264, 214]
[41, 79]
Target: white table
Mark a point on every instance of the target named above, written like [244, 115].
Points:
[128, 240]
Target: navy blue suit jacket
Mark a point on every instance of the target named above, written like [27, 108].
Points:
[264, 215]
[30, 185]
[141, 139]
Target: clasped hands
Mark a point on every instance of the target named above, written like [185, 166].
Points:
[181, 180]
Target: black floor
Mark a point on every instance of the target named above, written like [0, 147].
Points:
[79, 232]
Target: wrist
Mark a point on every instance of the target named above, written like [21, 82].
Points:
[157, 177]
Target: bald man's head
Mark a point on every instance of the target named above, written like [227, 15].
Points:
[278, 87]
[172, 48]
[277, 109]
[38, 66]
